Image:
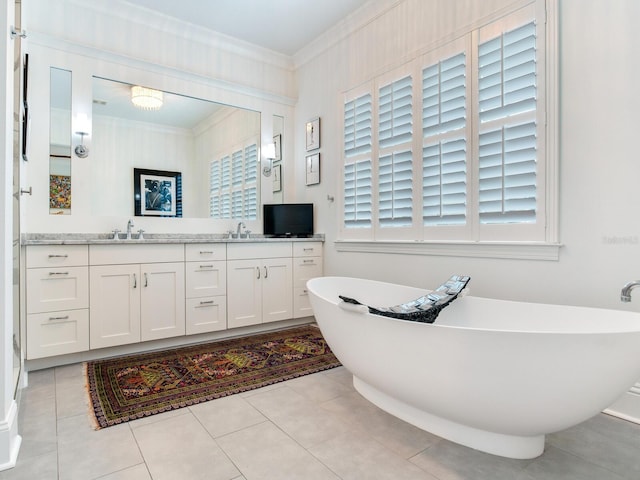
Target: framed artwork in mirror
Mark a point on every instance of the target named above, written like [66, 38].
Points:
[313, 134]
[277, 178]
[277, 141]
[157, 193]
[313, 169]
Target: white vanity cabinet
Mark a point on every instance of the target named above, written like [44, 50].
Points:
[137, 293]
[206, 287]
[307, 264]
[57, 300]
[259, 283]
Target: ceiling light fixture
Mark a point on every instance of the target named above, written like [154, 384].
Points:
[146, 98]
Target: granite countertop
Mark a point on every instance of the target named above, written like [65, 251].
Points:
[149, 238]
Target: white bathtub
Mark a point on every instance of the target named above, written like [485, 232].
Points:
[493, 375]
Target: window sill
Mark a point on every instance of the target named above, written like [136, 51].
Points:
[509, 250]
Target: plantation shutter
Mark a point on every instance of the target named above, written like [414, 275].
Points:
[395, 164]
[357, 126]
[357, 189]
[357, 194]
[214, 189]
[250, 182]
[444, 154]
[508, 130]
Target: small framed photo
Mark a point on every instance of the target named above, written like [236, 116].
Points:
[277, 141]
[157, 193]
[313, 169]
[313, 134]
[277, 178]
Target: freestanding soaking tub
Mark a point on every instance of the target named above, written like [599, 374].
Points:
[490, 374]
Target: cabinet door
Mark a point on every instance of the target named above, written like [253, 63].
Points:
[244, 294]
[277, 289]
[162, 300]
[114, 317]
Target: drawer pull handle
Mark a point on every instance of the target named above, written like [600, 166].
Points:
[51, 255]
[266, 272]
[146, 280]
[258, 270]
[208, 303]
[66, 317]
[206, 252]
[206, 266]
[308, 261]
[135, 281]
[58, 273]
[307, 249]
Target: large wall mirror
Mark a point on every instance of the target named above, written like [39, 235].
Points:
[214, 148]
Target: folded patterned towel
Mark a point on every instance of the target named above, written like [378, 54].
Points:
[424, 309]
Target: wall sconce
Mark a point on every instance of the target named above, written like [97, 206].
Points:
[82, 125]
[269, 152]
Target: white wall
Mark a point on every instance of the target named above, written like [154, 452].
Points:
[599, 167]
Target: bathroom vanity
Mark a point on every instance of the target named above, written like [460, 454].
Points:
[91, 295]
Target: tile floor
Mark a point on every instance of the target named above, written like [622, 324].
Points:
[313, 427]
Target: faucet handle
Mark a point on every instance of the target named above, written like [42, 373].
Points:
[115, 232]
[140, 232]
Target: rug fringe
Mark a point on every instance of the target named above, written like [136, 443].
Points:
[87, 388]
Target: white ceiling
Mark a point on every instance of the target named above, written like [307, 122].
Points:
[284, 26]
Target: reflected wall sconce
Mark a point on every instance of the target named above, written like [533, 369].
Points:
[269, 151]
[146, 98]
[82, 125]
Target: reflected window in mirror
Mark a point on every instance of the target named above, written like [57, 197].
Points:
[233, 183]
[60, 142]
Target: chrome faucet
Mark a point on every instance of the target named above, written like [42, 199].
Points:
[625, 294]
[129, 227]
[238, 230]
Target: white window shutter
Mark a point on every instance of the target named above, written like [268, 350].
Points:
[507, 150]
[357, 186]
[357, 194]
[444, 154]
[357, 126]
[395, 122]
[395, 189]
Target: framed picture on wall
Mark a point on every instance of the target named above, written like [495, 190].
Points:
[157, 193]
[277, 178]
[313, 134]
[313, 169]
[277, 141]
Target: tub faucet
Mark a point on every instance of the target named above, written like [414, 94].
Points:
[625, 294]
[129, 227]
[238, 230]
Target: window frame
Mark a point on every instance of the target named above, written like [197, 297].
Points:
[537, 241]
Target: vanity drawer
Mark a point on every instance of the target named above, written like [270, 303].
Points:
[307, 249]
[57, 333]
[301, 303]
[206, 314]
[241, 251]
[206, 278]
[194, 252]
[56, 289]
[57, 255]
[305, 269]
[143, 253]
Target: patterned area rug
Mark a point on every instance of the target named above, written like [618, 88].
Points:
[136, 386]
